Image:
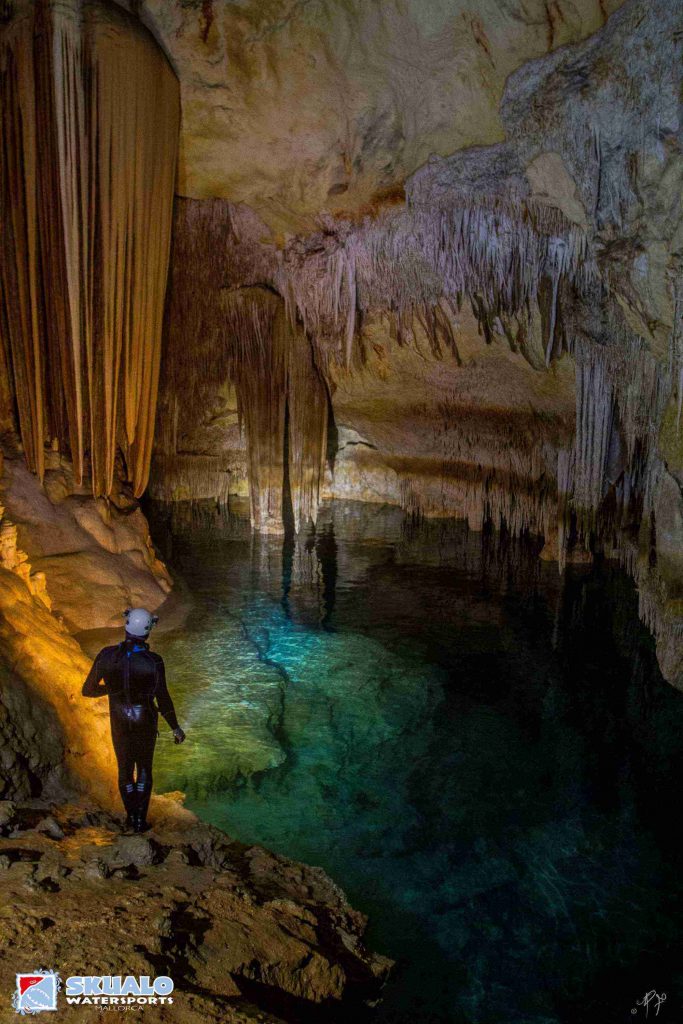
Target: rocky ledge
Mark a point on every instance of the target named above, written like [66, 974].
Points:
[246, 935]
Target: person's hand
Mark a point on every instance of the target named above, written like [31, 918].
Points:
[178, 735]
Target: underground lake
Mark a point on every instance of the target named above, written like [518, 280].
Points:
[481, 752]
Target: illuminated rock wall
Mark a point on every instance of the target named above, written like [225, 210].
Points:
[55, 744]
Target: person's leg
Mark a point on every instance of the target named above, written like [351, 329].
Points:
[123, 748]
[146, 736]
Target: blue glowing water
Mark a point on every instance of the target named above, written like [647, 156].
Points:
[484, 756]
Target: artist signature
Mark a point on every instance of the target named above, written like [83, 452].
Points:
[651, 998]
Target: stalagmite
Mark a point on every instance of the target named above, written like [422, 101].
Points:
[90, 124]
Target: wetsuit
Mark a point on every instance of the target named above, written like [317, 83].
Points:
[134, 677]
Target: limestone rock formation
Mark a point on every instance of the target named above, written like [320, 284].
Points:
[281, 401]
[298, 108]
[86, 559]
[423, 254]
[243, 933]
[52, 745]
[67, 563]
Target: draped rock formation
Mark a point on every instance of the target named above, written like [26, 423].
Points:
[240, 336]
[90, 117]
[283, 404]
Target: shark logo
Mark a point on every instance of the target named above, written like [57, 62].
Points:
[36, 992]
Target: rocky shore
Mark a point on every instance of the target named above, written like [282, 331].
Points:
[246, 935]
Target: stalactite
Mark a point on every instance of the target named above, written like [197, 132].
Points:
[187, 478]
[662, 620]
[413, 261]
[259, 372]
[308, 404]
[416, 264]
[557, 251]
[495, 249]
[243, 335]
[19, 253]
[61, 127]
[480, 495]
[676, 344]
[594, 424]
[87, 168]
[565, 475]
[410, 259]
[621, 392]
[273, 372]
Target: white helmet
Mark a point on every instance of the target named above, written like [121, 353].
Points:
[139, 622]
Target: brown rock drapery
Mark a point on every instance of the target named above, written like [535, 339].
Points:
[88, 145]
[245, 336]
[283, 405]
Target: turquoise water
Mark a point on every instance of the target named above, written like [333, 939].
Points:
[484, 756]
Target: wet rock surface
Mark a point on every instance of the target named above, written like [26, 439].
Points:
[244, 934]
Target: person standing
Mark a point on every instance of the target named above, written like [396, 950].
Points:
[134, 679]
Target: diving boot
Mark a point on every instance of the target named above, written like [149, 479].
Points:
[130, 803]
[140, 823]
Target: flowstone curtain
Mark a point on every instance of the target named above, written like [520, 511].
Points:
[90, 113]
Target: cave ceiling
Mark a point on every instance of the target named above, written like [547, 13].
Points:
[300, 108]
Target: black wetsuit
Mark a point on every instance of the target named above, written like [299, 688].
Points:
[133, 678]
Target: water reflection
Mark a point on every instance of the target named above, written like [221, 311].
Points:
[483, 755]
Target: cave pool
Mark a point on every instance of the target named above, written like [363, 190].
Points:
[481, 753]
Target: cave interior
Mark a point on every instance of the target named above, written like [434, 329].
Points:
[264, 262]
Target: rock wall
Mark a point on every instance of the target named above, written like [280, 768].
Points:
[67, 563]
[53, 745]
